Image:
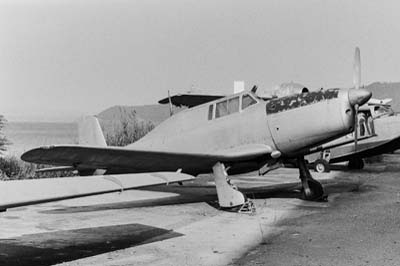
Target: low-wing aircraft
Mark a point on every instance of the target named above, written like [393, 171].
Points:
[232, 134]
[224, 135]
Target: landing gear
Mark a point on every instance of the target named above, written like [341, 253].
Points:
[228, 195]
[312, 189]
[356, 163]
[321, 166]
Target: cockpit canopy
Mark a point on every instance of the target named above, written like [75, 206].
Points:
[230, 105]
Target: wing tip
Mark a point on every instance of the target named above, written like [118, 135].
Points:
[30, 155]
[27, 156]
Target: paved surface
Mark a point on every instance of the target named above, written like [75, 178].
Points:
[358, 227]
[127, 229]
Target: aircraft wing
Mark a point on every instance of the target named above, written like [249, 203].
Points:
[17, 193]
[336, 143]
[190, 100]
[124, 160]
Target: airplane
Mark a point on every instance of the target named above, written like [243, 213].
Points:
[378, 127]
[379, 123]
[231, 134]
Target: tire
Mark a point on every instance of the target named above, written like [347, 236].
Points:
[317, 191]
[356, 163]
[321, 166]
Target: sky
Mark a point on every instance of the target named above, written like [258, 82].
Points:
[60, 59]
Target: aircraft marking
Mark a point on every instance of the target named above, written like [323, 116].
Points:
[299, 100]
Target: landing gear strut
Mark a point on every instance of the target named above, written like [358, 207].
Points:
[312, 189]
[228, 195]
[356, 163]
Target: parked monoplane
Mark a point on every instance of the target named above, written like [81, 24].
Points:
[224, 135]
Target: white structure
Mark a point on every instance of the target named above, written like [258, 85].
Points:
[238, 86]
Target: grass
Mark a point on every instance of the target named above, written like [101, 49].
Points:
[12, 168]
[128, 132]
[3, 140]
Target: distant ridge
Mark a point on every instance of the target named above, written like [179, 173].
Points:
[154, 113]
[142, 117]
[381, 90]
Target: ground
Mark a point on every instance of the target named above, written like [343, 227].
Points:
[358, 225]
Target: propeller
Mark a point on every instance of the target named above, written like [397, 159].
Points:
[171, 112]
[357, 84]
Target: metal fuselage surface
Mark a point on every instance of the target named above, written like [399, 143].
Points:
[288, 124]
[305, 120]
[387, 139]
[191, 131]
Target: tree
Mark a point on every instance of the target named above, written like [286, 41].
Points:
[3, 140]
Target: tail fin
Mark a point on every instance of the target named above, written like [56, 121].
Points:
[90, 133]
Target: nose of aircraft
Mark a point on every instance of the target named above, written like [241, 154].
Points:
[359, 96]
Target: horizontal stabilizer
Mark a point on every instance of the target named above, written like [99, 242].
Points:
[384, 102]
[17, 193]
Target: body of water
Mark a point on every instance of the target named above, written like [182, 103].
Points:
[27, 135]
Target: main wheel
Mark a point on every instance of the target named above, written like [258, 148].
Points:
[321, 166]
[356, 163]
[316, 191]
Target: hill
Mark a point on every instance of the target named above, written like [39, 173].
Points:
[381, 90]
[154, 113]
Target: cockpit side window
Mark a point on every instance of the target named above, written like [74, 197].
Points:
[247, 100]
[210, 111]
[233, 105]
[221, 109]
[228, 107]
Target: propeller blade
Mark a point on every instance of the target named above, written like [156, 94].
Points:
[357, 84]
[357, 69]
[355, 127]
[171, 112]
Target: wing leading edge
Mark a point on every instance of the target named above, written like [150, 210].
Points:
[123, 160]
[17, 193]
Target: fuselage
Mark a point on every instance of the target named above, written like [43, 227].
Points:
[288, 124]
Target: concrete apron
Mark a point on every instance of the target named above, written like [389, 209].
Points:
[215, 240]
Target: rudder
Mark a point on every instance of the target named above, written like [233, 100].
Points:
[90, 133]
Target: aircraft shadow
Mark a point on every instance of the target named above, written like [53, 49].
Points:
[207, 193]
[50, 248]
